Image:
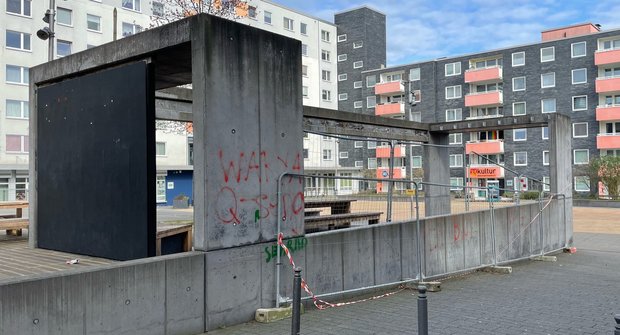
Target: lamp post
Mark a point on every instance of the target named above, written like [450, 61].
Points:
[47, 33]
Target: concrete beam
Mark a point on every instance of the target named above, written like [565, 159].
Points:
[500, 123]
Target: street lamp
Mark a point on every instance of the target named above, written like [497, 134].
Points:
[47, 33]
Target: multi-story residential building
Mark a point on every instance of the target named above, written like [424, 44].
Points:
[574, 71]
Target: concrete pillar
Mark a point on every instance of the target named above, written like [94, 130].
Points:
[437, 170]
[561, 167]
[247, 110]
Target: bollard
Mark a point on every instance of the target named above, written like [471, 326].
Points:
[617, 317]
[296, 326]
[422, 311]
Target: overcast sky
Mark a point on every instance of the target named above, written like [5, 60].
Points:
[426, 29]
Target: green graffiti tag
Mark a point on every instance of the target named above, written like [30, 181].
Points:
[294, 245]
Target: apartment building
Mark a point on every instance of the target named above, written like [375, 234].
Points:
[573, 70]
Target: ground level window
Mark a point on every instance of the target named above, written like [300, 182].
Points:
[161, 189]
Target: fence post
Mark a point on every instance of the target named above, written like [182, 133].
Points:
[540, 222]
[422, 311]
[617, 318]
[390, 184]
[465, 176]
[492, 209]
[419, 238]
[296, 323]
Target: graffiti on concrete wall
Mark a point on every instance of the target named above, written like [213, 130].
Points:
[293, 245]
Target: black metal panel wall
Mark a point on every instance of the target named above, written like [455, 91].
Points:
[95, 164]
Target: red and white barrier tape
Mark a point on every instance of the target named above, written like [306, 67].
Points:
[322, 304]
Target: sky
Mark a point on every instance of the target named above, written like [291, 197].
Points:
[419, 30]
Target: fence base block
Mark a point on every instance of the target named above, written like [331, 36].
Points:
[431, 286]
[505, 270]
[267, 315]
[570, 250]
[544, 258]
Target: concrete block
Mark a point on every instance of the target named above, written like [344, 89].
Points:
[473, 239]
[324, 268]
[455, 246]
[505, 270]
[185, 297]
[435, 246]
[358, 259]
[410, 249]
[544, 258]
[268, 315]
[387, 254]
[268, 256]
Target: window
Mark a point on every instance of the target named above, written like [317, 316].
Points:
[160, 188]
[326, 95]
[342, 38]
[547, 54]
[288, 23]
[252, 12]
[454, 114]
[520, 158]
[327, 154]
[518, 84]
[16, 74]
[578, 49]
[548, 105]
[611, 44]
[519, 135]
[358, 64]
[371, 81]
[518, 58]
[453, 92]
[456, 138]
[303, 28]
[545, 157]
[306, 154]
[416, 116]
[612, 100]
[547, 80]
[343, 96]
[453, 69]
[130, 29]
[18, 40]
[63, 16]
[17, 109]
[358, 144]
[546, 184]
[304, 50]
[580, 129]
[580, 103]
[486, 63]
[342, 77]
[325, 55]
[304, 91]
[484, 88]
[324, 35]
[416, 162]
[456, 160]
[93, 22]
[357, 45]
[160, 149]
[344, 154]
[612, 73]
[372, 163]
[20, 7]
[371, 102]
[158, 8]
[304, 70]
[359, 164]
[545, 133]
[326, 75]
[342, 58]
[357, 84]
[132, 4]
[358, 104]
[346, 184]
[414, 74]
[63, 48]
[416, 96]
[267, 17]
[581, 156]
[17, 143]
[518, 108]
[371, 145]
[579, 76]
[582, 184]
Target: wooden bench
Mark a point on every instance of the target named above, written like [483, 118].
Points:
[338, 221]
[13, 223]
[312, 212]
[168, 231]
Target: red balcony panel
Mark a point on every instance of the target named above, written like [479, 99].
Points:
[607, 85]
[611, 113]
[608, 142]
[393, 87]
[384, 173]
[384, 152]
[484, 99]
[607, 57]
[485, 148]
[392, 109]
[485, 172]
[483, 75]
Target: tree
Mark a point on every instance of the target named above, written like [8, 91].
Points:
[174, 10]
[607, 170]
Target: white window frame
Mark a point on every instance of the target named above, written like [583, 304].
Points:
[359, 164]
[267, 14]
[342, 38]
[325, 36]
[524, 103]
[342, 57]
[22, 9]
[358, 65]
[325, 55]
[371, 144]
[458, 114]
[343, 96]
[546, 184]
[358, 104]
[23, 147]
[460, 91]
[415, 165]
[524, 84]
[542, 76]
[573, 103]
[68, 43]
[545, 153]
[133, 7]
[371, 98]
[358, 44]
[358, 84]
[514, 134]
[575, 156]
[513, 58]
[514, 160]
[459, 183]
[342, 77]
[572, 49]
[572, 76]
[548, 60]
[358, 144]
[375, 79]
[542, 131]
[23, 73]
[580, 124]
[584, 180]
[304, 70]
[303, 28]
[326, 75]
[414, 74]
[159, 143]
[458, 160]
[288, 23]
[343, 154]
[88, 16]
[24, 109]
[22, 41]
[372, 165]
[453, 67]
[326, 95]
[542, 106]
[327, 153]
[67, 10]
[455, 138]
[304, 92]
[304, 50]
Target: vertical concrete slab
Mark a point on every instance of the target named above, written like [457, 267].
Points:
[358, 261]
[387, 254]
[437, 170]
[409, 240]
[247, 131]
[185, 295]
[233, 285]
[486, 234]
[560, 166]
[473, 239]
[535, 229]
[514, 231]
[268, 255]
[455, 246]
[501, 233]
[324, 264]
[435, 246]
[525, 229]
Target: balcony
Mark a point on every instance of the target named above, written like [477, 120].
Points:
[481, 117]
[399, 172]
[608, 141]
[484, 75]
[608, 113]
[490, 147]
[608, 85]
[485, 172]
[384, 152]
[390, 88]
[493, 98]
[390, 109]
[607, 57]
